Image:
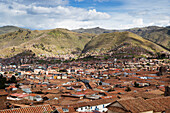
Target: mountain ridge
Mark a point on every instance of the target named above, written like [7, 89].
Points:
[9, 28]
[110, 41]
[156, 34]
[96, 30]
[59, 41]
[48, 42]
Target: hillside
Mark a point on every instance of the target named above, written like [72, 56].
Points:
[96, 30]
[121, 42]
[8, 29]
[46, 42]
[159, 35]
[62, 42]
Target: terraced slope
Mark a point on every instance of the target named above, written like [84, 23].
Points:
[46, 42]
[158, 35]
[114, 41]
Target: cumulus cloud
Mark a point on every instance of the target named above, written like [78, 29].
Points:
[48, 14]
[38, 2]
[39, 17]
[138, 21]
[140, 13]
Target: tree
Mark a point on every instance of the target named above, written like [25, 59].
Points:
[1, 76]
[63, 70]
[13, 79]
[100, 83]
[127, 89]
[136, 84]
[20, 30]
[148, 64]
[161, 55]
[2, 82]
[17, 85]
[111, 89]
[106, 57]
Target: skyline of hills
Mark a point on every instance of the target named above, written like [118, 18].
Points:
[15, 40]
[126, 42]
[8, 29]
[46, 42]
[156, 34]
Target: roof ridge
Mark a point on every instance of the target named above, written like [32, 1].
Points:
[26, 107]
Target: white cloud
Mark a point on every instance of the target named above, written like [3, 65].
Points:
[39, 17]
[38, 2]
[93, 15]
[138, 22]
[57, 13]
[140, 13]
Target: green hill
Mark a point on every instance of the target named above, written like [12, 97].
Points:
[46, 42]
[159, 35]
[8, 29]
[123, 41]
[64, 42]
[96, 30]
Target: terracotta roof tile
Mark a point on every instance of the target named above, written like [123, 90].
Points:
[116, 109]
[160, 104]
[136, 105]
[32, 109]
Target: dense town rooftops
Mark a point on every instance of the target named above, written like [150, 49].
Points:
[32, 109]
[136, 105]
[88, 86]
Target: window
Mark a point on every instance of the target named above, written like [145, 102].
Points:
[96, 108]
[65, 110]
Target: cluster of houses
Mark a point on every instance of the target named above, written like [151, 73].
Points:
[105, 86]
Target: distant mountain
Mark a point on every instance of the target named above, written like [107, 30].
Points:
[45, 42]
[8, 29]
[96, 30]
[158, 35]
[121, 42]
[65, 42]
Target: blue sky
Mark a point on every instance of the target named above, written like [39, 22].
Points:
[73, 14]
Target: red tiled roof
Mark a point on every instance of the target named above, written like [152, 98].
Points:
[94, 102]
[33, 109]
[136, 105]
[116, 109]
[3, 92]
[160, 104]
[19, 95]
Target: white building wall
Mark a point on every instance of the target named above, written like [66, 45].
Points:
[58, 77]
[147, 112]
[64, 77]
[91, 108]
